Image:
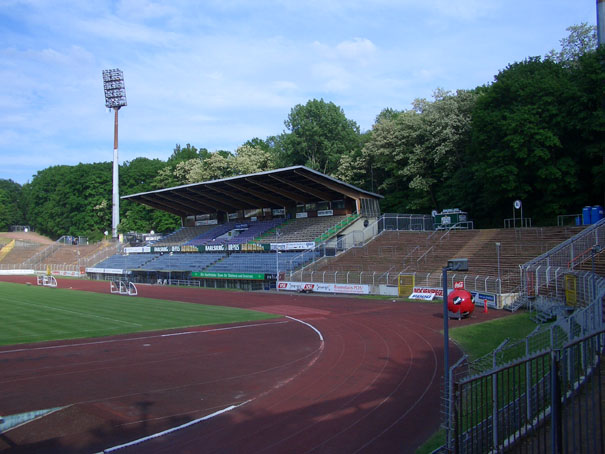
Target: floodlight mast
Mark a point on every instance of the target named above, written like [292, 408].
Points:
[115, 97]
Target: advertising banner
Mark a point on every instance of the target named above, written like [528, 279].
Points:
[66, 273]
[299, 246]
[352, 289]
[422, 296]
[206, 222]
[325, 213]
[213, 248]
[247, 276]
[424, 293]
[479, 299]
[106, 271]
[137, 250]
[165, 249]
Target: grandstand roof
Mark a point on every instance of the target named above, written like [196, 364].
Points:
[271, 189]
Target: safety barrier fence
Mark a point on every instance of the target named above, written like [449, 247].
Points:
[551, 274]
[539, 394]
[433, 280]
[547, 402]
[40, 267]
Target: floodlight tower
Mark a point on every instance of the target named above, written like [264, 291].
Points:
[601, 22]
[115, 97]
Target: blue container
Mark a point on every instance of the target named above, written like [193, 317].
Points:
[586, 215]
[578, 220]
[596, 214]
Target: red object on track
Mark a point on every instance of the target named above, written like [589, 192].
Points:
[460, 302]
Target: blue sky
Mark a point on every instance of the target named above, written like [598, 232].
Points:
[217, 73]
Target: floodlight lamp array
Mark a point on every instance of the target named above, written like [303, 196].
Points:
[115, 93]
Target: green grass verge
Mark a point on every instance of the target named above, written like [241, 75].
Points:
[436, 441]
[482, 338]
[478, 340]
[37, 314]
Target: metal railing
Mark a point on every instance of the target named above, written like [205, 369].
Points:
[515, 223]
[568, 219]
[478, 283]
[552, 274]
[546, 401]
[541, 393]
[39, 256]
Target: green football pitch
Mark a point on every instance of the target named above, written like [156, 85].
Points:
[37, 314]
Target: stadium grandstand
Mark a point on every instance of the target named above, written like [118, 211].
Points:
[29, 251]
[297, 226]
[244, 229]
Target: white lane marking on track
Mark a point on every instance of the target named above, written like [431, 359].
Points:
[174, 429]
[321, 338]
[83, 314]
[131, 339]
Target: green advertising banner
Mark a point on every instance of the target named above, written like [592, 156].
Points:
[210, 275]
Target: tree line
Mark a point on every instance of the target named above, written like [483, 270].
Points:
[535, 133]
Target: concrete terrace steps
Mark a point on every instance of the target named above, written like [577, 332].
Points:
[428, 252]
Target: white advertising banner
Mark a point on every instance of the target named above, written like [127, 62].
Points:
[66, 273]
[300, 246]
[422, 296]
[325, 213]
[137, 250]
[16, 272]
[427, 293]
[206, 222]
[104, 270]
[352, 289]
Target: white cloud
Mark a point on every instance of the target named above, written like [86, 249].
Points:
[219, 72]
[360, 49]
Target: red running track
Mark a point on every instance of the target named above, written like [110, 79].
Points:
[372, 385]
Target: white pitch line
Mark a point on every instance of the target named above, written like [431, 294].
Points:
[174, 429]
[229, 328]
[321, 338]
[157, 336]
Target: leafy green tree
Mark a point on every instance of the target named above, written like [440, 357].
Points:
[62, 199]
[440, 142]
[584, 137]
[517, 150]
[141, 175]
[582, 39]
[252, 159]
[411, 154]
[319, 134]
[11, 212]
[188, 152]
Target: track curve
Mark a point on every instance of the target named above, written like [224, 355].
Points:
[371, 386]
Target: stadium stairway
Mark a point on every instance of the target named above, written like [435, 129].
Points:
[6, 249]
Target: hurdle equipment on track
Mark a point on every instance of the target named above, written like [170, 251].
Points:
[46, 281]
[123, 288]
